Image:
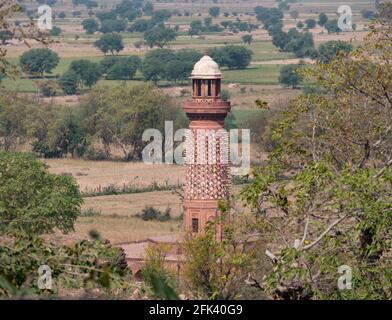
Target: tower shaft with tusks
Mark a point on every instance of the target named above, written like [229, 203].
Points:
[207, 167]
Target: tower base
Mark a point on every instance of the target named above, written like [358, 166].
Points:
[198, 213]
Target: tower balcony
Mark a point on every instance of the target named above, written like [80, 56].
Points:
[206, 106]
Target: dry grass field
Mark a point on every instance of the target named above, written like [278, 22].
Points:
[114, 215]
[127, 205]
[93, 174]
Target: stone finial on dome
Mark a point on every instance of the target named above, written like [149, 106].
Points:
[206, 68]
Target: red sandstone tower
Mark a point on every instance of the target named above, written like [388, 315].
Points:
[207, 166]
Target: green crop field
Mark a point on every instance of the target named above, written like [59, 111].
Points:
[256, 74]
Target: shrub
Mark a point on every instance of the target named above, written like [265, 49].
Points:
[154, 273]
[150, 213]
[50, 88]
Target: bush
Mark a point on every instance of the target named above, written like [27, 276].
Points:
[289, 76]
[225, 94]
[56, 31]
[310, 23]
[69, 82]
[49, 88]
[85, 264]
[90, 212]
[150, 213]
[154, 273]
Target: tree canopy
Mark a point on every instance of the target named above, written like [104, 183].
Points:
[325, 194]
[289, 76]
[159, 36]
[39, 61]
[110, 42]
[330, 49]
[43, 202]
[90, 25]
[231, 56]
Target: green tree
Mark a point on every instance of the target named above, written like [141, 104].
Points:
[323, 18]
[177, 70]
[335, 209]
[90, 25]
[89, 72]
[57, 131]
[110, 26]
[124, 68]
[330, 49]
[269, 16]
[247, 39]
[56, 31]
[154, 64]
[107, 62]
[38, 61]
[196, 28]
[91, 4]
[159, 36]
[301, 44]
[233, 57]
[13, 114]
[44, 202]
[214, 11]
[283, 5]
[289, 75]
[69, 82]
[121, 114]
[190, 56]
[332, 26]
[160, 16]
[140, 25]
[102, 16]
[49, 88]
[215, 270]
[129, 9]
[112, 43]
[310, 23]
[148, 8]
[280, 39]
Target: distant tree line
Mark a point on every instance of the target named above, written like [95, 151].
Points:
[300, 43]
[106, 118]
[157, 65]
[290, 75]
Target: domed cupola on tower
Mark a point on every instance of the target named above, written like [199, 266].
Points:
[206, 91]
[206, 78]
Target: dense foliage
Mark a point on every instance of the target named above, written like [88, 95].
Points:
[324, 200]
[33, 200]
